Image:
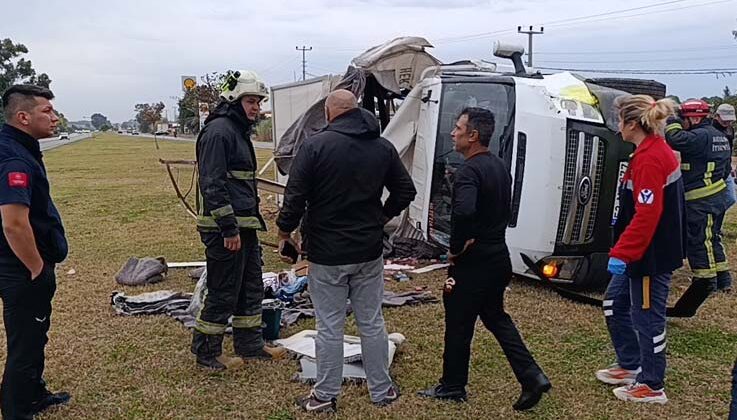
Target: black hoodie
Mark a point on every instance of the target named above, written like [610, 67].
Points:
[340, 174]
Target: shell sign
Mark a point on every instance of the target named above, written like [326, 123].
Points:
[188, 83]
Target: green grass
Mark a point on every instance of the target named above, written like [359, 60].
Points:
[117, 202]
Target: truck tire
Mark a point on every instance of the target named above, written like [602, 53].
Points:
[633, 86]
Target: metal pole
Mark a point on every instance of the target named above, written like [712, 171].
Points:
[304, 59]
[530, 33]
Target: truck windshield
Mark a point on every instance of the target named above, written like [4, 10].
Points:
[499, 99]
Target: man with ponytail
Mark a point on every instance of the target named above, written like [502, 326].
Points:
[649, 246]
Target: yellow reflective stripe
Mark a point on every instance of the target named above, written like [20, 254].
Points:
[710, 166]
[248, 222]
[209, 328]
[673, 126]
[723, 266]
[708, 243]
[646, 292]
[685, 166]
[206, 327]
[246, 175]
[223, 211]
[246, 321]
[704, 273]
[706, 191]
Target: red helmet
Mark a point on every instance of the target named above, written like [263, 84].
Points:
[695, 108]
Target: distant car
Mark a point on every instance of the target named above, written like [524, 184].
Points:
[120, 131]
[135, 133]
[63, 135]
[162, 133]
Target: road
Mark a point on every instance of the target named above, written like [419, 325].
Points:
[256, 144]
[54, 142]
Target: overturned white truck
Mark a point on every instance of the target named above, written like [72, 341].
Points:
[557, 135]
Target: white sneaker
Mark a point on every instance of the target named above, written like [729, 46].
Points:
[615, 375]
[641, 393]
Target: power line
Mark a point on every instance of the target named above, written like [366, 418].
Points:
[583, 19]
[639, 61]
[671, 50]
[716, 71]
[709, 3]
[614, 12]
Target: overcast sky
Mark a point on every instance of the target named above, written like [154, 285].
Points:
[107, 56]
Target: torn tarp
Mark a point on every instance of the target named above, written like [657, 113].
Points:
[389, 70]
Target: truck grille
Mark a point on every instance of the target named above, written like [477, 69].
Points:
[581, 184]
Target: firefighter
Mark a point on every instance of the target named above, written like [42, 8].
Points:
[228, 219]
[705, 164]
[650, 246]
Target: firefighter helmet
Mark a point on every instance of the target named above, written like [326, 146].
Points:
[695, 108]
[238, 84]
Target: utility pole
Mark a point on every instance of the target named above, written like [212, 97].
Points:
[304, 60]
[530, 33]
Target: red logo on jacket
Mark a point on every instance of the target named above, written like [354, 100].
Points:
[18, 180]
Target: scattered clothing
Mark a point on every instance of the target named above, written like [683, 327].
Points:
[139, 272]
[163, 302]
[196, 273]
[417, 248]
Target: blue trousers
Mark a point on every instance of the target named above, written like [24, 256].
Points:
[634, 309]
[733, 406]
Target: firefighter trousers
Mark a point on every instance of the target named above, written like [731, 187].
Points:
[234, 288]
[704, 218]
[479, 293]
[27, 318]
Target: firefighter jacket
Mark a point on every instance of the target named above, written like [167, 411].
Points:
[226, 160]
[705, 158]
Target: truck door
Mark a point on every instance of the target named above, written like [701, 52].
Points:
[498, 97]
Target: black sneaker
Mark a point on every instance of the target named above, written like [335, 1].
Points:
[391, 396]
[312, 404]
[50, 400]
[440, 392]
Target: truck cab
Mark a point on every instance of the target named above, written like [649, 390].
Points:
[564, 161]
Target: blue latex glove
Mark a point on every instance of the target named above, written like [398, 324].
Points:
[616, 266]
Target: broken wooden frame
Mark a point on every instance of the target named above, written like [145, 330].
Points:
[262, 184]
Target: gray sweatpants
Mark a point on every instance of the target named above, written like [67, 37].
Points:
[330, 287]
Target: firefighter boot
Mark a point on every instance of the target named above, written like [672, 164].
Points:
[249, 344]
[209, 352]
[692, 298]
[724, 281]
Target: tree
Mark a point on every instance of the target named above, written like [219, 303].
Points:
[263, 130]
[15, 69]
[63, 123]
[106, 127]
[147, 115]
[726, 92]
[98, 120]
[208, 91]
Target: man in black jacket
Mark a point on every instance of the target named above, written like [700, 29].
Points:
[481, 268]
[228, 219]
[339, 174]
